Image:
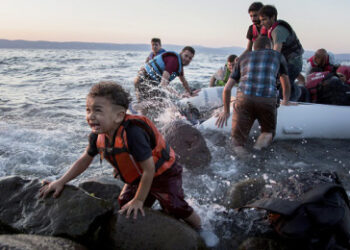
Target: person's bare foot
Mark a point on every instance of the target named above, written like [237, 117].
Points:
[263, 141]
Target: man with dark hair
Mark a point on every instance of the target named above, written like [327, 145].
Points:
[255, 29]
[222, 75]
[164, 68]
[256, 72]
[285, 41]
[157, 49]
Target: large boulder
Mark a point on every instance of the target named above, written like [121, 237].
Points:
[188, 144]
[243, 192]
[154, 231]
[75, 214]
[37, 242]
[106, 188]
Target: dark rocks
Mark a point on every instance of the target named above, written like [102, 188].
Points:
[188, 144]
[154, 231]
[106, 188]
[83, 218]
[37, 242]
[75, 214]
[243, 192]
[261, 244]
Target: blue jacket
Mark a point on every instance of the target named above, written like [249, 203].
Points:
[156, 66]
[151, 55]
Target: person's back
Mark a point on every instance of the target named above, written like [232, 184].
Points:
[259, 71]
[256, 97]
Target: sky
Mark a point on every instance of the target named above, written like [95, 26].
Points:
[210, 23]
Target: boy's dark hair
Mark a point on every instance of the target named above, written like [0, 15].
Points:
[269, 11]
[256, 6]
[112, 91]
[261, 42]
[190, 49]
[156, 40]
[231, 58]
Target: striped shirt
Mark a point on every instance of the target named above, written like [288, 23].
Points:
[257, 72]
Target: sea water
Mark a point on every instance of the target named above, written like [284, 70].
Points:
[43, 128]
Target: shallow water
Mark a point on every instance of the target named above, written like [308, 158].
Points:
[43, 128]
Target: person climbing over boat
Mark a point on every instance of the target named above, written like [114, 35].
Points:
[222, 75]
[285, 41]
[161, 70]
[256, 28]
[256, 72]
[157, 49]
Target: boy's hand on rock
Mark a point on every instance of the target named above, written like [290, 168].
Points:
[132, 206]
[49, 187]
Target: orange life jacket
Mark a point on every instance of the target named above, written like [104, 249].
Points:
[263, 31]
[119, 156]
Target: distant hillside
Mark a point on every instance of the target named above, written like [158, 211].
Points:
[23, 44]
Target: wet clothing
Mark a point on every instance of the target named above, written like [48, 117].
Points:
[166, 188]
[246, 110]
[254, 31]
[168, 61]
[118, 154]
[152, 55]
[138, 141]
[256, 72]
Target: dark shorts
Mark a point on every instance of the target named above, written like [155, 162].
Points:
[167, 189]
[246, 110]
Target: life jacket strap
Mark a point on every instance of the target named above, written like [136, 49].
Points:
[155, 74]
[165, 157]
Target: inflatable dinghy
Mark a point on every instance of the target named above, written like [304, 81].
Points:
[305, 120]
[207, 99]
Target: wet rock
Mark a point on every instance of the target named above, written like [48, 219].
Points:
[292, 187]
[37, 242]
[243, 192]
[154, 231]
[188, 144]
[106, 188]
[217, 138]
[75, 214]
